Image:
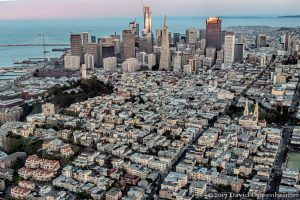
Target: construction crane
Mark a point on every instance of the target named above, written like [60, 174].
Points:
[142, 3]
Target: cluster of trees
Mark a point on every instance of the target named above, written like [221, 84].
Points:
[88, 89]
[18, 143]
[280, 116]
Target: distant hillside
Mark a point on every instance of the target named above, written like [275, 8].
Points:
[289, 16]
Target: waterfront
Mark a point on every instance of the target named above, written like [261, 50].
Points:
[10, 75]
[293, 160]
[57, 31]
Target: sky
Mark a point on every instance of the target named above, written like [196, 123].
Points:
[68, 9]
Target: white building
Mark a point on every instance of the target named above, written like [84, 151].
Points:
[83, 71]
[229, 49]
[177, 65]
[89, 61]
[72, 62]
[130, 65]
[110, 64]
[151, 60]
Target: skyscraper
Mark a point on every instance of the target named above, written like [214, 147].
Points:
[191, 38]
[147, 19]
[238, 52]
[213, 32]
[261, 40]
[85, 36]
[128, 44]
[229, 48]
[165, 60]
[76, 45]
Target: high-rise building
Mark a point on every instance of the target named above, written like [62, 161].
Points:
[146, 42]
[287, 40]
[220, 57]
[130, 65]
[238, 52]
[151, 60]
[92, 49]
[177, 62]
[191, 38]
[263, 60]
[72, 62]
[147, 19]
[229, 48]
[186, 55]
[110, 64]
[76, 45]
[89, 61]
[85, 38]
[93, 39]
[211, 52]
[194, 63]
[128, 44]
[213, 32]
[165, 59]
[261, 40]
[202, 33]
[159, 33]
[176, 38]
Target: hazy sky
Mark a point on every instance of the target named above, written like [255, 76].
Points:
[56, 9]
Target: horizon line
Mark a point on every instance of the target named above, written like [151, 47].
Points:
[156, 16]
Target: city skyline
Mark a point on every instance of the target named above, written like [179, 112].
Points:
[33, 9]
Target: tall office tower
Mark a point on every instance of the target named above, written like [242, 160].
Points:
[222, 38]
[145, 42]
[93, 39]
[238, 52]
[202, 33]
[141, 56]
[76, 45]
[194, 63]
[263, 60]
[165, 59]
[89, 61]
[287, 44]
[211, 52]
[177, 62]
[106, 48]
[191, 38]
[116, 41]
[85, 37]
[159, 33]
[137, 30]
[83, 71]
[261, 40]
[203, 44]
[220, 57]
[229, 48]
[92, 49]
[151, 60]
[176, 38]
[128, 44]
[213, 32]
[186, 55]
[147, 19]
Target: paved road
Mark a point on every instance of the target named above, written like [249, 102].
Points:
[194, 141]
